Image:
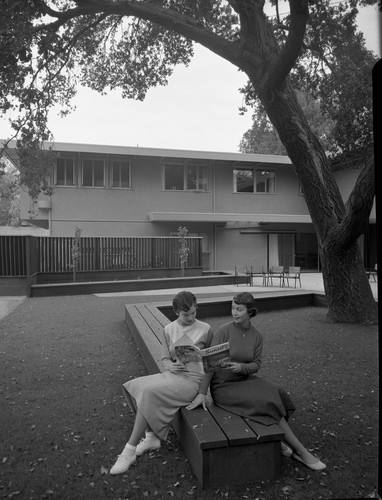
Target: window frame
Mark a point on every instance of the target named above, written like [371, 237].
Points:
[93, 160]
[267, 191]
[234, 176]
[201, 176]
[254, 171]
[73, 166]
[111, 170]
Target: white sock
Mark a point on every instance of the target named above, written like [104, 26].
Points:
[150, 434]
[130, 448]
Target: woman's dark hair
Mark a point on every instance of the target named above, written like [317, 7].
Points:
[246, 299]
[183, 301]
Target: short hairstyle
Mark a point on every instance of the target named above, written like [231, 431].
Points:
[246, 299]
[183, 301]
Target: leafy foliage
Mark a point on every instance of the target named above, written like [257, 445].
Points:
[36, 166]
[334, 68]
[9, 197]
[184, 249]
[262, 137]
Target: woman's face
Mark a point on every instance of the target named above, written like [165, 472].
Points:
[186, 318]
[240, 314]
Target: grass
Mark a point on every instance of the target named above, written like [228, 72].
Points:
[64, 419]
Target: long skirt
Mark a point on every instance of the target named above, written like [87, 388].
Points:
[253, 397]
[158, 397]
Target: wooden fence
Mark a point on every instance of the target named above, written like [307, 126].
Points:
[26, 255]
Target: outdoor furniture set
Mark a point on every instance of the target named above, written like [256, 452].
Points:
[221, 447]
[276, 274]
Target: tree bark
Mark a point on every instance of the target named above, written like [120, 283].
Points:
[338, 227]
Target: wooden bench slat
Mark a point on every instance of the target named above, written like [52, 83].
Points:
[207, 431]
[152, 323]
[161, 318]
[266, 432]
[147, 343]
[234, 427]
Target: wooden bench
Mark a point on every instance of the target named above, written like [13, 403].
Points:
[222, 448]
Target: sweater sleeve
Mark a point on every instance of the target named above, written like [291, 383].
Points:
[216, 339]
[254, 365]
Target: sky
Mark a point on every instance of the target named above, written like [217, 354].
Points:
[197, 110]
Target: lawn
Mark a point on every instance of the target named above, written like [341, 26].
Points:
[64, 419]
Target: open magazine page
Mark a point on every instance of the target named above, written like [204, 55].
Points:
[188, 353]
[211, 357]
[214, 357]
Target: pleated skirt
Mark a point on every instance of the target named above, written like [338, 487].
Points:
[158, 397]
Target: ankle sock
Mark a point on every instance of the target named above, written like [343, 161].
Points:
[130, 448]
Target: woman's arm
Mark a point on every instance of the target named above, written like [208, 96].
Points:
[250, 367]
[168, 363]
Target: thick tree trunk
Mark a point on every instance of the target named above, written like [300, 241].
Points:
[348, 291]
[347, 287]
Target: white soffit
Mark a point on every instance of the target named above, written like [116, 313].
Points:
[227, 217]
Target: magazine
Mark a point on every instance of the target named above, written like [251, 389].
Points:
[211, 357]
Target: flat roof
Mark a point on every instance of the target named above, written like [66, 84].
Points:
[159, 152]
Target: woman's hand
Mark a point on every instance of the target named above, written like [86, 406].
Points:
[233, 367]
[176, 367]
[201, 399]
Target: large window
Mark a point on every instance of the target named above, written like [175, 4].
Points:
[64, 172]
[93, 173]
[120, 177]
[188, 177]
[249, 180]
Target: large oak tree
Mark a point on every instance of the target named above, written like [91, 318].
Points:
[48, 48]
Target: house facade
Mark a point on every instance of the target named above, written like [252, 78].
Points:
[248, 208]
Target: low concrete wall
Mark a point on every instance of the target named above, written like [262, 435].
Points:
[117, 274]
[265, 301]
[47, 290]
[13, 286]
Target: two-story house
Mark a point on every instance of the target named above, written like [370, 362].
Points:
[248, 208]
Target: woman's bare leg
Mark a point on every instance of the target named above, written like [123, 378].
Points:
[140, 426]
[298, 447]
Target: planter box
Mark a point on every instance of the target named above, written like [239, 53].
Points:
[44, 204]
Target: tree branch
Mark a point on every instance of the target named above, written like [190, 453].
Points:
[359, 204]
[170, 19]
[284, 62]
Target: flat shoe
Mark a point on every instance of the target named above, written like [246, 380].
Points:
[123, 463]
[317, 466]
[286, 452]
[148, 444]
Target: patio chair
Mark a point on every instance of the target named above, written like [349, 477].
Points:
[293, 273]
[242, 271]
[278, 273]
[258, 272]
